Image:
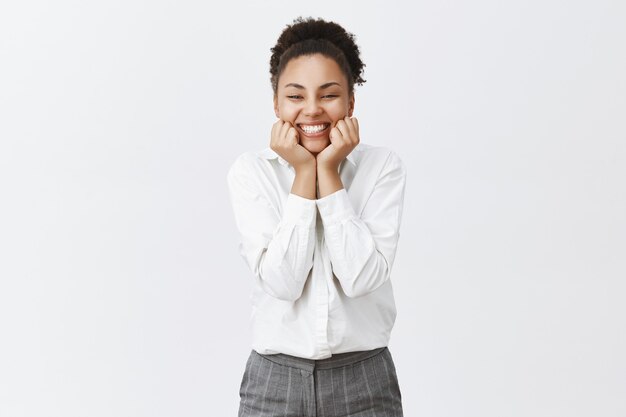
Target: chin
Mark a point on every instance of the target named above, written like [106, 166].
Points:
[316, 146]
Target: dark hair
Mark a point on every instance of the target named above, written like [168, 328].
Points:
[307, 36]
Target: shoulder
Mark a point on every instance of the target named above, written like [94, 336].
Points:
[249, 161]
[368, 155]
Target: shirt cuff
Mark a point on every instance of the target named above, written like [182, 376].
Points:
[335, 208]
[299, 210]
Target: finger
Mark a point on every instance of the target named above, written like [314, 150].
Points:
[273, 136]
[345, 131]
[335, 135]
[350, 126]
[283, 131]
[277, 125]
[355, 121]
[292, 136]
[354, 130]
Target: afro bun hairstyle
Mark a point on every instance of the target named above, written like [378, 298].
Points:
[307, 36]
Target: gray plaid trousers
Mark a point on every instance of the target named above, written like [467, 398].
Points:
[351, 384]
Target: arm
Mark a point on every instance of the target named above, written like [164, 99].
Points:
[362, 249]
[277, 247]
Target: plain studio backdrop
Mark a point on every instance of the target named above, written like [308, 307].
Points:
[122, 291]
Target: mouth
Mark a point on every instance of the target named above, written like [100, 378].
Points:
[313, 130]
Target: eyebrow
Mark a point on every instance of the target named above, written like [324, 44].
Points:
[321, 86]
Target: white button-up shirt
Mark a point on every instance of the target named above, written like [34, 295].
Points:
[321, 268]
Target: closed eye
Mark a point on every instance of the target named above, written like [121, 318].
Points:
[326, 96]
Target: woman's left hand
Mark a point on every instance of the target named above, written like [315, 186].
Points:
[343, 139]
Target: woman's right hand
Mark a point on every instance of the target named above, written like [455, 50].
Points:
[285, 142]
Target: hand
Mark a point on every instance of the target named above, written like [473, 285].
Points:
[285, 141]
[344, 137]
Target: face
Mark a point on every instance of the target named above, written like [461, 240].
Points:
[313, 91]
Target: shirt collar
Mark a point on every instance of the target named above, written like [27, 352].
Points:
[268, 153]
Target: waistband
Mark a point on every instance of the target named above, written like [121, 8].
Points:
[335, 361]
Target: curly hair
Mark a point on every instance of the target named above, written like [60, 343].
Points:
[307, 36]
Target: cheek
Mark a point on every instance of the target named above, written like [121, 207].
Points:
[289, 109]
[338, 111]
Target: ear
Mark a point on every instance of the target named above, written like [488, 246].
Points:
[351, 105]
[276, 106]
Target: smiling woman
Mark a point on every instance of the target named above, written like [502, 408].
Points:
[319, 215]
[313, 104]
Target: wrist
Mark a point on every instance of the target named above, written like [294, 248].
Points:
[306, 168]
[327, 168]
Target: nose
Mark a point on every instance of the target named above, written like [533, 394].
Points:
[312, 107]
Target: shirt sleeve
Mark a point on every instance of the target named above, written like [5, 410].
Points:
[278, 248]
[362, 248]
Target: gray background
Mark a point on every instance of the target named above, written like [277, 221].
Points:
[122, 292]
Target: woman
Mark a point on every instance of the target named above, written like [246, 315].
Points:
[319, 215]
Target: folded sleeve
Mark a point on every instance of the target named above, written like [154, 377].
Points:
[362, 248]
[277, 245]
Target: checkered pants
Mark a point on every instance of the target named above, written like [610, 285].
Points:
[351, 384]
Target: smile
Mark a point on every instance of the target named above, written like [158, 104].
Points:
[314, 129]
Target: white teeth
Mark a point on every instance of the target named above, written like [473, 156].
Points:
[313, 129]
